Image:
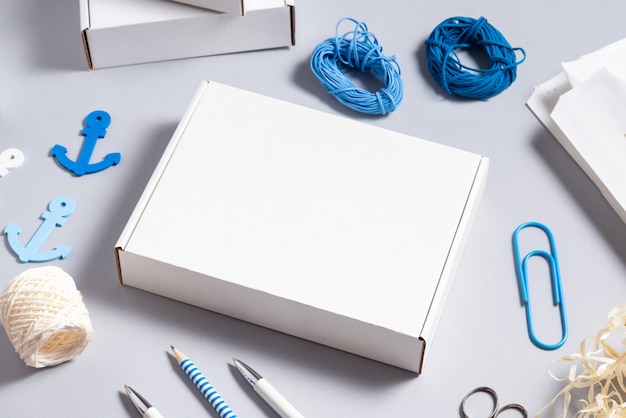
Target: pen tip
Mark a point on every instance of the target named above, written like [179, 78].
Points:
[172, 347]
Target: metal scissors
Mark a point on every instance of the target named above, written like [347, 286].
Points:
[496, 411]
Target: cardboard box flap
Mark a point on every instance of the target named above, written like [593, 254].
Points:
[158, 172]
[456, 249]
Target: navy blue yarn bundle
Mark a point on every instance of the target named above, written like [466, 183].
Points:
[358, 49]
[457, 33]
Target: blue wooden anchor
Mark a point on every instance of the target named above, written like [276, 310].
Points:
[59, 209]
[96, 124]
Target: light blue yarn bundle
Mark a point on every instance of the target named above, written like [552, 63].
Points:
[358, 49]
[458, 33]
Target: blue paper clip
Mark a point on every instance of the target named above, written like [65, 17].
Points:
[557, 291]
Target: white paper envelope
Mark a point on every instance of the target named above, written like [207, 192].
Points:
[611, 57]
[593, 117]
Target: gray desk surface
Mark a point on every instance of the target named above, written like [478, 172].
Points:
[46, 91]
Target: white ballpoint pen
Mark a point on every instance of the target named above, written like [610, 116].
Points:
[267, 391]
[142, 405]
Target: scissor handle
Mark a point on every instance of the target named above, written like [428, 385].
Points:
[485, 389]
[495, 412]
[515, 406]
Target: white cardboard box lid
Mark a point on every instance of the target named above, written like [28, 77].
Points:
[310, 207]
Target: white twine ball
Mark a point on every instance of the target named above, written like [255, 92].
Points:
[45, 317]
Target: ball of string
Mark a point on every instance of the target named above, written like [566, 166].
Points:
[456, 78]
[45, 317]
[358, 49]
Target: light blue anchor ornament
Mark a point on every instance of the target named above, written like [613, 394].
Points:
[59, 209]
[96, 124]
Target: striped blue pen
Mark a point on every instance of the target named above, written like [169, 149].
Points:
[201, 382]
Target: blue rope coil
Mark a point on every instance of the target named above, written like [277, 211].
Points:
[358, 49]
[458, 33]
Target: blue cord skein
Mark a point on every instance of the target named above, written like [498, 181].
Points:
[357, 49]
[456, 78]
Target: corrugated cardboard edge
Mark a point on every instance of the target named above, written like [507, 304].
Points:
[422, 356]
[460, 238]
[85, 24]
[154, 179]
[292, 9]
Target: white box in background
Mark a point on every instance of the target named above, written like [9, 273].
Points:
[124, 32]
[318, 226]
[235, 6]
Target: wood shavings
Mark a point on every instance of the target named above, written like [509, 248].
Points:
[44, 316]
[600, 368]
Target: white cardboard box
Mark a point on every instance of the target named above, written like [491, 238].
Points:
[240, 7]
[124, 32]
[314, 225]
